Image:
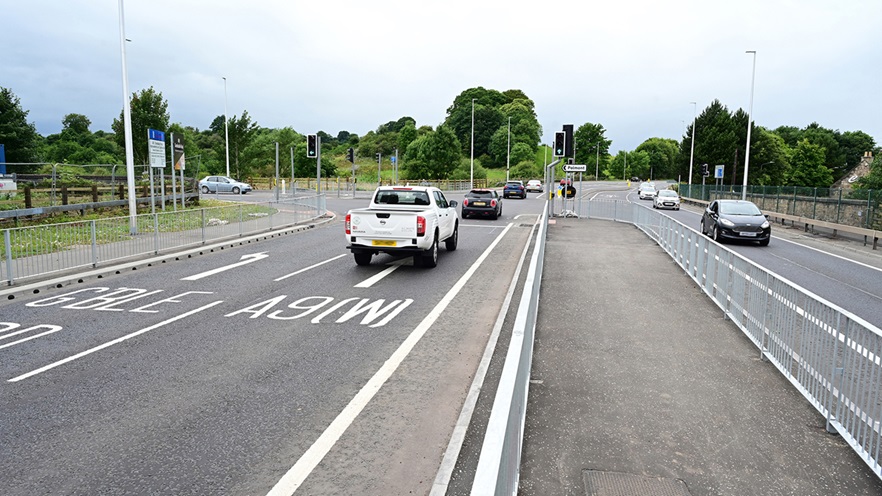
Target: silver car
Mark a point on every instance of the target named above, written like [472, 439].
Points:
[223, 184]
[646, 191]
[666, 198]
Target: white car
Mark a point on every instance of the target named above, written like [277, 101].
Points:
[666, 198]
[534, 185]
[646, 191]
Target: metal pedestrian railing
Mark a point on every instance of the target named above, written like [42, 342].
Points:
[37, 251]
[830, 355]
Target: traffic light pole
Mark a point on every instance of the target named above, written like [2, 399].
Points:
[318, 164]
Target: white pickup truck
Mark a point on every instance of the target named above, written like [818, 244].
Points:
[403, 220]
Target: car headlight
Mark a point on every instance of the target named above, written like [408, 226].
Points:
[727, 223]
[765, 225]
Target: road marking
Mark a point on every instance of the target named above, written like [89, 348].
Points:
[295, 476]
[52, 329]
[393, 266]
[309, 268]
[111, 343]
[246, 259]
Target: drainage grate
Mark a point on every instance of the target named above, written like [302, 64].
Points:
[599, 483]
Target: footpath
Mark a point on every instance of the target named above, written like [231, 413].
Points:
[641, 387]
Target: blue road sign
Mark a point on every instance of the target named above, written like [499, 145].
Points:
[155, 135]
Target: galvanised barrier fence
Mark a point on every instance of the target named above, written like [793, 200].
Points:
[37, 251]
[499, 464]
[857, 208]
[828, 354]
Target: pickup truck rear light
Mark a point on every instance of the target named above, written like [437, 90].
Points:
[421, 225]
[348, 224]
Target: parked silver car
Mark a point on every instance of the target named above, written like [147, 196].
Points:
[223, 184]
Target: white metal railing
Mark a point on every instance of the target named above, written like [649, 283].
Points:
[36, 251]
[830, 355]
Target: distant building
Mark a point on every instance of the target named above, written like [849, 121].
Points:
[862, 169]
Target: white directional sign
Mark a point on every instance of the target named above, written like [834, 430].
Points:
[156, 147]
[575, 168]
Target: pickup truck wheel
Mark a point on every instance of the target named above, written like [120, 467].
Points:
[363, 258]
[450, 243]
[430, 258]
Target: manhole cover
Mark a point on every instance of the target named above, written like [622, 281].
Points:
[599, 483]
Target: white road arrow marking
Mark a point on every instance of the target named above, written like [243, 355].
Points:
[246, 259]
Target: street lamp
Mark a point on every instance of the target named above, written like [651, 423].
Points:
[472, 173]
[749, 110]
[127, 125]
[508, 151]
[692, 151]
[226, 128]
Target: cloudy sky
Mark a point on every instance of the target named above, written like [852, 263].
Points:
[633, 66]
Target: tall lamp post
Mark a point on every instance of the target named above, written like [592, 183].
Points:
[692, 151]
[127, 124]
[749, 111]
[508, 151]
[226, 128]
[472, 170]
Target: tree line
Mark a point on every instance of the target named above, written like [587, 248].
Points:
[499, 128]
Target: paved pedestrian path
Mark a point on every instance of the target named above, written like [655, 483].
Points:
[640, 386]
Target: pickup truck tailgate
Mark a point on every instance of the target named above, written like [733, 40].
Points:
[384, 224]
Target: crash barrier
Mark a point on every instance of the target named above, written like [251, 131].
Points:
[36, 251]
[499, 463]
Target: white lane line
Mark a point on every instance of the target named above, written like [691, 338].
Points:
[311, 458]
[246, 259]
[378, 277]
[448, 462]
[53, 329]
[111, 343]
[309, 268]
[828, 254]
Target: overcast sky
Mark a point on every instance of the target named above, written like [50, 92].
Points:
[633, 66]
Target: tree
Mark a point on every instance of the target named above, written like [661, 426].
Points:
[807, 166]
[588, 139]
[19, 137]
[242, 131]
[663, 154]
[433, 156]
[149, 111]
[487, 120]
[769, 158]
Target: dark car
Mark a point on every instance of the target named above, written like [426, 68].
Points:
[514, 188]
[736, 219]
[482, 203]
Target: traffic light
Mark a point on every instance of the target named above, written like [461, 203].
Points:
[568, 140]
[559, 144]
[311, 146]
[350, 155]
[704, 171]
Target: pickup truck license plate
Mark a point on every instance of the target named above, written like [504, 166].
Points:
[383, 242]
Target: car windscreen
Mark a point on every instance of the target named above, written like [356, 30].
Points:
[480, 194]
[402, 197]
[667, 192]
[739, 209]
